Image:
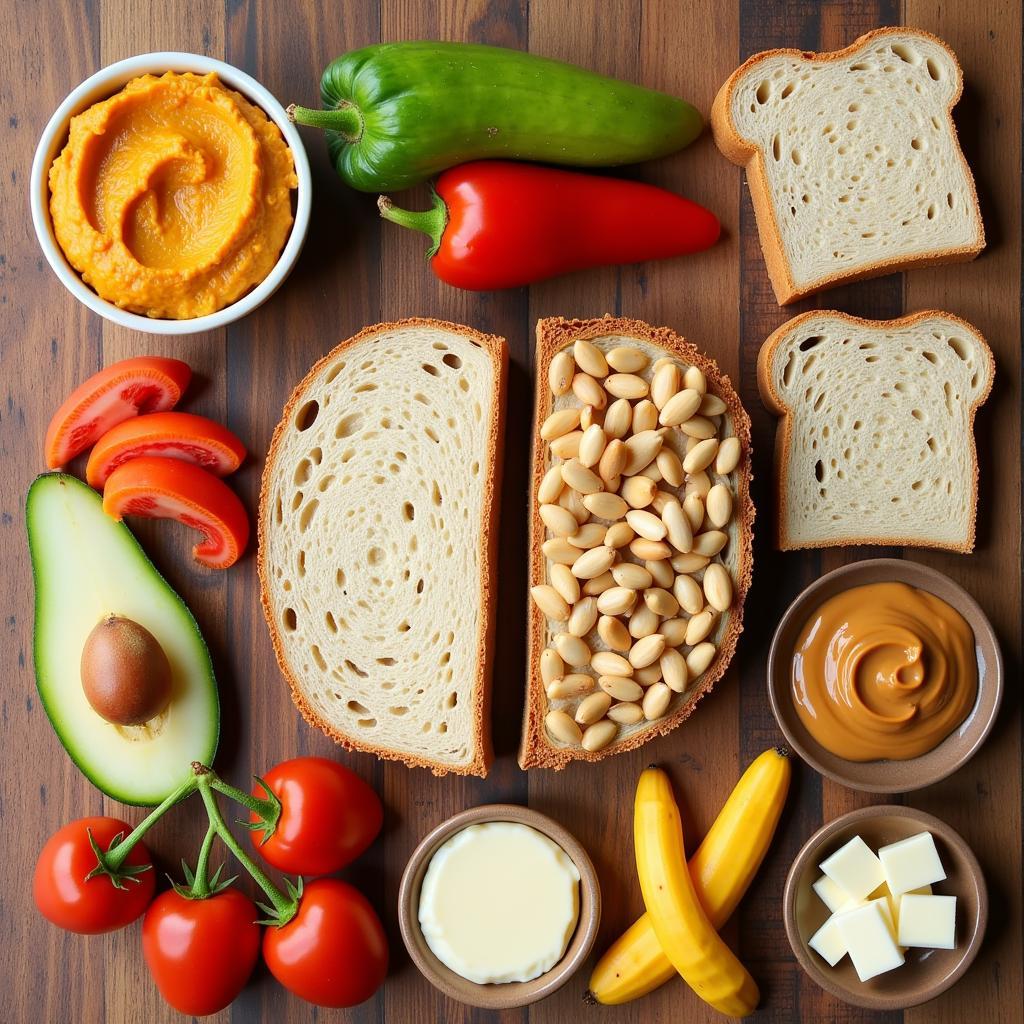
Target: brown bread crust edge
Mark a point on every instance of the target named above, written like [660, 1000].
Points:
[739, 150]
[483, 754]
[553, 335]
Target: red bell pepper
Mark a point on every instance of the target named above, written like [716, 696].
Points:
[500, 224]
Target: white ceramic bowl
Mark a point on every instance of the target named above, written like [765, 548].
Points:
[104, 84]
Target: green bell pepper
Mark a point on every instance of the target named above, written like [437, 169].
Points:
[397, 114]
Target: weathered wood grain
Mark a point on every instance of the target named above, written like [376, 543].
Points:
[354, 271]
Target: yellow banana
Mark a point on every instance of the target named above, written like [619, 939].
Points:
[687, 937]
[722, 868]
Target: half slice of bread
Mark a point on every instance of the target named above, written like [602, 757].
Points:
[876, 441]
[852, 159]
[720, 411]
[378, 529]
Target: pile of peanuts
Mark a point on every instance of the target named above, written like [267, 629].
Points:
[635, 529]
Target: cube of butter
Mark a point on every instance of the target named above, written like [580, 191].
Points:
[830, 894]
[855, 868]
[928, 921]
[911, 863]
[866, 933]
[828, 943]
[894, 901]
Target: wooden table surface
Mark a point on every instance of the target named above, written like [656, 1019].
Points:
[354, 273]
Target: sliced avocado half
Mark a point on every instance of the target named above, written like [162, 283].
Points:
[87, 566]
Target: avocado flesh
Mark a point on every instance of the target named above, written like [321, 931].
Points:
[87, 566]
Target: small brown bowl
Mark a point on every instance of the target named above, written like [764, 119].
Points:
[887, 776]
[927, 972]
[516, 993]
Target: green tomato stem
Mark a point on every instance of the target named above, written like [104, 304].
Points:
[267, 809]
[284, 908]
[201, 883]
[115, 857]
[345, 119]
[431, 222]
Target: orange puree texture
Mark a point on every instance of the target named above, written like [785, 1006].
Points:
[172, 198]
[884, 671]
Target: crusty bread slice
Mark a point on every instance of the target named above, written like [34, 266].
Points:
[538, 747]
[852, 158]
[876, 441]
[378, 529]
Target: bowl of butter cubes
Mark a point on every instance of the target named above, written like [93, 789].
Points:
[885, 907]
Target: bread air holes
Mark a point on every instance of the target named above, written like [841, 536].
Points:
[408, 512]
[356, 670]
[431, 369]
[958, 346]
[906, 53]
[318, 657]
[348, 425]
[451, 701]
[763, 92]
[289, 620]
[931, 357]
[452, 360]
[307, 414]
[306, 515]
[333, 372]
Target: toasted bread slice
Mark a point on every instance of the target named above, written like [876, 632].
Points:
[378, 529]
[539, 748]
[876, 439]
[852, 159]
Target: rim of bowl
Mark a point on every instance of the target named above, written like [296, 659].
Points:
[867, 998]
[914, 574]
[513, 994]
[105, 83]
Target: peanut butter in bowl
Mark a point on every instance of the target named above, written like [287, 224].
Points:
[883, 671]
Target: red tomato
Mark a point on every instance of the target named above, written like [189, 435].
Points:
[334, 951]
[118, 392]
[329, 816]
[173, 435]
[72, 901]
[171, 489]
[201, 952]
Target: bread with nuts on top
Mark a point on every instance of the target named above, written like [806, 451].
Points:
[378, 531]
[852, 159]
[620, 707]
[875, 444]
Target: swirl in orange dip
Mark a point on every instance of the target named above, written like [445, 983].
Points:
[173, 197]
[884, 671]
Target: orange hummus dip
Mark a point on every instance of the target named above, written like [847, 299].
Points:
[173, 198]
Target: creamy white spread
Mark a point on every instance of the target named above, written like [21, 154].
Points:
[499, 903]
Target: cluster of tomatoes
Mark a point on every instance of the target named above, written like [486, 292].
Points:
[201, 949]
[149, 461]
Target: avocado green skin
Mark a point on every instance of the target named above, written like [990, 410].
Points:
[427, 106]
[132, 550]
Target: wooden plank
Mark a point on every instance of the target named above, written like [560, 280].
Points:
[698, 297]
[983, 801]
[409, 288]
[48, 342]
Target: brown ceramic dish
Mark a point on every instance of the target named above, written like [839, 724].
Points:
[927, 972]
[887, 776]
[513, 994]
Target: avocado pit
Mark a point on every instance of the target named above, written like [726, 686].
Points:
[126, 676]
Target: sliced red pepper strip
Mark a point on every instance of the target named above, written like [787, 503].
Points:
[117, 393]
[171, 489]
[170, 435]
[500, 224]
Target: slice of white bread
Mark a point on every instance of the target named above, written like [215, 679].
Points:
[876, 441]
[852, 159]
[538, 748]
[378, 532]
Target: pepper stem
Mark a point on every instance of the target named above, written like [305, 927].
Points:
[284, 908]
[345, 119]
[431, 222]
